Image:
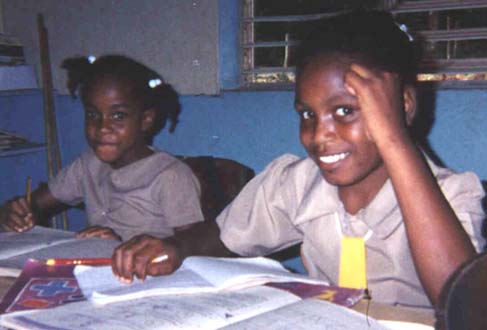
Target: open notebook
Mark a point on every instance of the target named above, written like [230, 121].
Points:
[45, 243]
[259, 307]
[196, 275]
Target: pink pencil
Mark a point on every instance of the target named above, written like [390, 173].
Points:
[93, 261]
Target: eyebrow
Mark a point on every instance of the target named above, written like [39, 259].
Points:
[113, 107]
[119, 105]
[340, 98]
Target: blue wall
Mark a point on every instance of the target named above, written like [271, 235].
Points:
[250, 127]
[22, 113]
[459, 133]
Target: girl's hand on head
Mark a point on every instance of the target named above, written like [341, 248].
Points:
[380, 97]
[99, 231]
[16, 215]
[134, 258]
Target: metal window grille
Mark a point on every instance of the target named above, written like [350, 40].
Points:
[454, 34]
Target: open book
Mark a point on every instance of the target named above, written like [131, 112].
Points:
[260, 307]
[46, 243]
[196, 275]
[13, 243]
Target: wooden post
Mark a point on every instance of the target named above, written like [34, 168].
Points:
[50, 127]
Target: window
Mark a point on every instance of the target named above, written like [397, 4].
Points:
[454, 34]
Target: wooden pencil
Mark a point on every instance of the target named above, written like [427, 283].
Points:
[28, 190]
[92, 261]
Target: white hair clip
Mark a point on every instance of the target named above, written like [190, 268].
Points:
[91, 59]
[404, 29]
[153, 83]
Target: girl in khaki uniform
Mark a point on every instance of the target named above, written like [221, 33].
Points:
[365, 178]
[128, 187]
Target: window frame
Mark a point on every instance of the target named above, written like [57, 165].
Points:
[472, 65]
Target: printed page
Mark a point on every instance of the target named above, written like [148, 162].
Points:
[400, 325]
[201, 311]
[100, 286]
[63, 248]
[197, 274]
[235, 272]
[13, 243]
[309, 314]
[10, 272]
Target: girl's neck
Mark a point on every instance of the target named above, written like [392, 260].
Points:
[142, 153]
[359, 195]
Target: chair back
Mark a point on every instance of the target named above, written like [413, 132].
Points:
[484, 206]
[220, 179]
[463, 300]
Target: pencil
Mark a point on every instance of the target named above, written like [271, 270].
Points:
[28, 190]
[81, 261]
[94, 261]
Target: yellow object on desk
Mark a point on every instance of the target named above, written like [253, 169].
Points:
[28, 190]
[353, 272]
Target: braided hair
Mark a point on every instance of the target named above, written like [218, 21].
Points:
[146, 84]
[372, 38]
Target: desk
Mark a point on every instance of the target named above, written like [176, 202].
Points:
[104, 248]
[5, 283]
[376, 310]
[392, 313]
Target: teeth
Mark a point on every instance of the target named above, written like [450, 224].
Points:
[333, 158]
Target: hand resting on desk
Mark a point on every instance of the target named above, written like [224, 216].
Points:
[133, 258]
[99, 231]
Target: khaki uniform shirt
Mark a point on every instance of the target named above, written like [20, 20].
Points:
[290, 202]
[152, 195]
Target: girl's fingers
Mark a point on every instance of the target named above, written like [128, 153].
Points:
[361, 71]
[28, 222]
[134, 257]
[93, 231]
[122, 260]
[355, 83]
[141, 258]
[21, 222]
[19, 207]
[141, 263]
[17, 215]
[110, 234]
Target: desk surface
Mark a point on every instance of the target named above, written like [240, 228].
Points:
[392, 313]
[5, 283]
[376, 310]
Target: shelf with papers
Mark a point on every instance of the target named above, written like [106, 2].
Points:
[12, 144]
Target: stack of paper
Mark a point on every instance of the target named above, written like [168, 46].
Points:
[252, 308]
[196, 275]
[45, 243]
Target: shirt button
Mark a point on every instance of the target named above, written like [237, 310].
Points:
[103, 213]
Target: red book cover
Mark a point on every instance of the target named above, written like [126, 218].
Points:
[341, 296]
[41, 286]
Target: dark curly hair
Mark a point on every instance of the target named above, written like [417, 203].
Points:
[370, 37]
[163, 98]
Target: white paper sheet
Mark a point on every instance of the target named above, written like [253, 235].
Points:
[13, 243]
[197, 274]
[309, 314]
[200, 311]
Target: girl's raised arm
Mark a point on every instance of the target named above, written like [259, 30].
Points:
[438, 242]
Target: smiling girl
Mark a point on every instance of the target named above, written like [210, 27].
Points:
[365, 184]
[127, 186]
